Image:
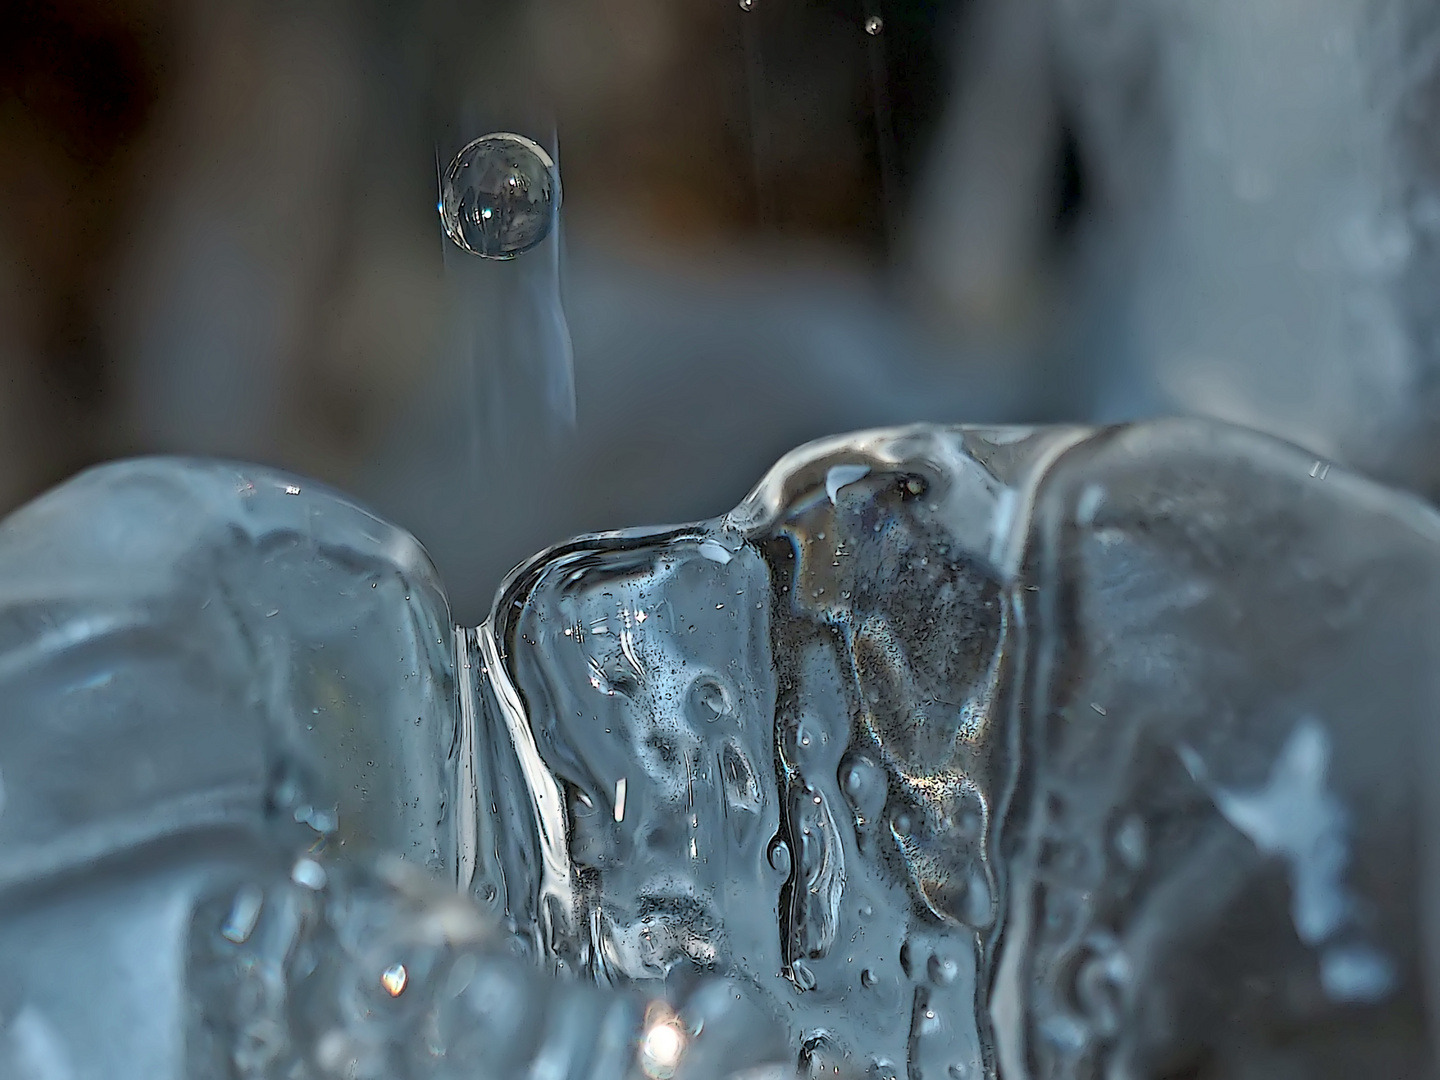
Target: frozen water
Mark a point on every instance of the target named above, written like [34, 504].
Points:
[225, 693]
[1051, 753]
[951, 752]
[500, 195]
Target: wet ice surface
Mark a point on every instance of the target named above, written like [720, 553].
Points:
[977, 752]
[225, 694]
[949, 753]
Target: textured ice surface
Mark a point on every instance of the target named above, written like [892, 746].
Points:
[224, 694]
[965, 753]
[1050, 753]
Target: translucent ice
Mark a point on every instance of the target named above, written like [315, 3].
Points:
[1050, 753]
[500, 195]
[225, 695]
[951, 752]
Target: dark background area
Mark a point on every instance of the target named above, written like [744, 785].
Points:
[218, 236]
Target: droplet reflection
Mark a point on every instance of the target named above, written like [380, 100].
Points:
[500, 195]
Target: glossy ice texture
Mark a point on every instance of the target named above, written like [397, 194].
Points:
[226, 696]
[1052, 753]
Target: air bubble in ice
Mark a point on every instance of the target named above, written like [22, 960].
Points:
[943, 969]
[780, 857]
[708, 700]
[500, 196]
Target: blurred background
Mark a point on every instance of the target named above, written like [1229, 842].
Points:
[218, 236]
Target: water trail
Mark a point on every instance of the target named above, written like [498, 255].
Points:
[511, 339]
[874, 27]
[759, 129]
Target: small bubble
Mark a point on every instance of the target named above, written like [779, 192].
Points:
[959, 1071]
[708, 700]
[864, 785]
[867, 978]
[873, 26]
[780, 857]
[942, 969]
[500, 196]
[394, 979]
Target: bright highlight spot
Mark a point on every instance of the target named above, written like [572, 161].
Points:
[662, 1050]
[394, 978]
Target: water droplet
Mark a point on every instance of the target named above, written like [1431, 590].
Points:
[942, 969]
[709, 700]
[881, 1069]
[873, 25]
[959, 1071]
[394, 979]
[747, 5]
[244, 914]
[500, 196]
[780, 857]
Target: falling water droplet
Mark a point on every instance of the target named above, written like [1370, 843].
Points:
[873, 25]
[500, 195]
[394, 979]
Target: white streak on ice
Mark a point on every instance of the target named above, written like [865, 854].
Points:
[839, 476]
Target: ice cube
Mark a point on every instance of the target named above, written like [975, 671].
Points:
[1046, 752]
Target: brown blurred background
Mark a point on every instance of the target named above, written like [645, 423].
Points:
[218, 236]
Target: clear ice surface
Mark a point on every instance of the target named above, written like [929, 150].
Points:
[951, 752]
[500, 195]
